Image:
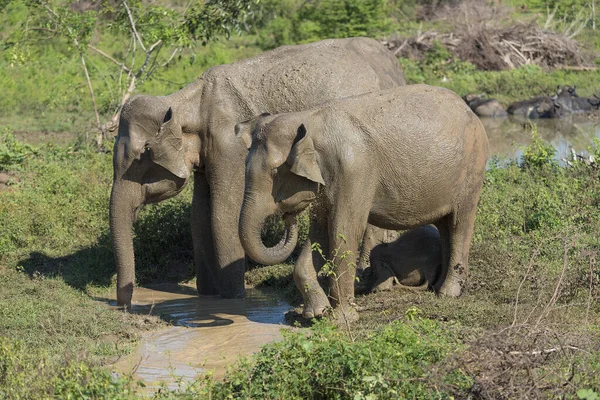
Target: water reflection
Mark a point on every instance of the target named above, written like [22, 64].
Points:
[206, 333]
[508, 135]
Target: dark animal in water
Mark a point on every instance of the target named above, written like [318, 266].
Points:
[484, 107]
[568, 101]
[538, 107]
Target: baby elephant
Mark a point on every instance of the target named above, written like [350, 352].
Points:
[413, 261]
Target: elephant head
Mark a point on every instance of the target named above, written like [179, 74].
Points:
[152, 161]
[282, 177]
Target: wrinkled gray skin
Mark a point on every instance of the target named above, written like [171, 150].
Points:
[490, 108]
[397, 159]
[413, 261]
[163, 140]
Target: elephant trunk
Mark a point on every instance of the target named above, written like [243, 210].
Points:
[125, 199]
[253, 216]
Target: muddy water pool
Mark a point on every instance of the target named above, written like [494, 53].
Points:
[507, 136]
[205, 333]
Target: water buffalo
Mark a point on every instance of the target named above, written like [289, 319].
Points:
[569, 101]
[538, 107]
[484, 107]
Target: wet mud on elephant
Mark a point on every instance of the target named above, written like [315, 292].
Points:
[398, 159]
[163, 140]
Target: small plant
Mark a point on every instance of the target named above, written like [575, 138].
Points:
[539, 153]
[588, 394]
[13, 152]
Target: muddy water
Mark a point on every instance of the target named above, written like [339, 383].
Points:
[508, 135]
[206, 333]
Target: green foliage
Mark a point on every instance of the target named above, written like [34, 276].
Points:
[27, 375]
[539, 153]
[160, 227]
[12, 152]
[274, 228]
[393, 362]
[565, 10]
[295, 21]
[437, 64]
[587, 394]
[154, 34]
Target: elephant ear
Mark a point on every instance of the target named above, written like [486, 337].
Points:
[302, 157]
[167, 148]
[244, 129]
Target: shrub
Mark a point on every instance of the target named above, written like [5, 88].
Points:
[12, 151]
[539, 153]
[392, 362]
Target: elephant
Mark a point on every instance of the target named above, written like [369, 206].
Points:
[485, 107]
[163, 140]
[398, 159]
[413, 261]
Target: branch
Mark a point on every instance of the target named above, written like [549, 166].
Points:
[133, 25]
[148, 56]
[123, 67]
[89, 82]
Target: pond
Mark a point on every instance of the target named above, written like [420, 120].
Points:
[206, 333]
[507, 136]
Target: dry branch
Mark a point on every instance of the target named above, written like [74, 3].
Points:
[478, 37]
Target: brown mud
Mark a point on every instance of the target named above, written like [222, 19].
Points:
[205, 334]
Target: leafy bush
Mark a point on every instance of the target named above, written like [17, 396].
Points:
[393, 362]
[539, 153]
[12, 152]
[26, 375]
[296, 21]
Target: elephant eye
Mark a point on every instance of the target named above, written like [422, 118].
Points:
[146, 147]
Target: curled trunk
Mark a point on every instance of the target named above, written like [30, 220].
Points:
[251, 224]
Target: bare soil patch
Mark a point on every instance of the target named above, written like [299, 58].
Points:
[41, 138]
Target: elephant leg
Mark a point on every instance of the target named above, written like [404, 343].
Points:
[461, 230]
[204, 252]
[346, 229]
[309, 263]
[305, 277]
[444, 229]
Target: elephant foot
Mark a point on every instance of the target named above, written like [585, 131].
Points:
[451, 288]
[345, 314]
[315, 302]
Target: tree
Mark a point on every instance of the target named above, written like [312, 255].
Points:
[154, 34]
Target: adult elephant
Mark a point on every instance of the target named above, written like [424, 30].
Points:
[398, 159]
[163, 140]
